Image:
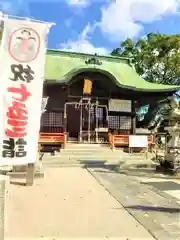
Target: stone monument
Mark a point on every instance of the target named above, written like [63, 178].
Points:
[172, 155]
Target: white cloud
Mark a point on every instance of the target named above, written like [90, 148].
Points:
[83, 44]
[88, 31]
[78, 3]
[124, 18]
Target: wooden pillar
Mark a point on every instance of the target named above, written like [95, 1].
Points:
[133, 118]
[65, 118]
[65, 111]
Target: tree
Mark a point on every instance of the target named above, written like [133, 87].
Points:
[1, 29]
[155, 57]
[1, 33]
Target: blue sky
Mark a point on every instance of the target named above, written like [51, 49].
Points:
[98, 25]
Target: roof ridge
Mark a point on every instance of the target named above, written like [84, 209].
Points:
[107, 57]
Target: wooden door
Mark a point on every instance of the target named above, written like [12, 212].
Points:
[73, 121]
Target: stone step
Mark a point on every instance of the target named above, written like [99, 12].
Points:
[85, 163]
[95, 156]
[86, 145]
[113, 165]
[95, 150]
[134, 158]
[74, 163]
[59, 165]
[82, 154]
[107, 156]
[78, 158]
[86, 151]
[94, 161]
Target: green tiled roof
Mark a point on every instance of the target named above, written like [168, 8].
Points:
[63, 66]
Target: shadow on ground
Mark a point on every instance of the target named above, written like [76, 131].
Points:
[150, 173]
[99, 164]
[138, 172]
[164, 186]
[154, 209]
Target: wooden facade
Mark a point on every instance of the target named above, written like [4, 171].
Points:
[84, 114]
[68, 109]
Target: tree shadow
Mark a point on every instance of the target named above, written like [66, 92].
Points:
[149, 173]
[93, 163]
[100, 164]
[154, 209]
[163, 185]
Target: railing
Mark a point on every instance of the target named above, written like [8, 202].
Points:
[118, 140]
[53, 139]
[121, 140]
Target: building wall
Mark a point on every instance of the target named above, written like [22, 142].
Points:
[57, 96]
[103, 89]
[53, 119]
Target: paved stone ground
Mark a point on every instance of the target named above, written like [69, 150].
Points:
[146, 199]
[163, 183]
[68, 203]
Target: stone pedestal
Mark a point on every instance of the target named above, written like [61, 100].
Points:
[172, 156]
[21, 170]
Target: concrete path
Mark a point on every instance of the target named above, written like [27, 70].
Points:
[167, 184]
[68, 203]
[147, 201]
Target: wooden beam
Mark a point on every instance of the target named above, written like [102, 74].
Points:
[92, 97]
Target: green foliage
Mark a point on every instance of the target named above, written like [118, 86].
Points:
[1, 35]
[1, 30]
[156, 57]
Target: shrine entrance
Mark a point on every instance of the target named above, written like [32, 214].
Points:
[86, 121]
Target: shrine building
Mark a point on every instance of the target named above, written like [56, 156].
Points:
[90, 96]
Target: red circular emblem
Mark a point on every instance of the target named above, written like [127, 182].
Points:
[24, 44]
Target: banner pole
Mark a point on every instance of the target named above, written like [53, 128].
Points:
[6, 17]
[2, 207]
[25, 64]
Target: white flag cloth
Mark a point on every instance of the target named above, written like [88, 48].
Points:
[22, 60]
[44, 104]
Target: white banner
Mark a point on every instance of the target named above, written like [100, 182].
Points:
[22, 61]
[44, 104]
[138, 141]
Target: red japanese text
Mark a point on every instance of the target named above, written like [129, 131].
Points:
[17, 113]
